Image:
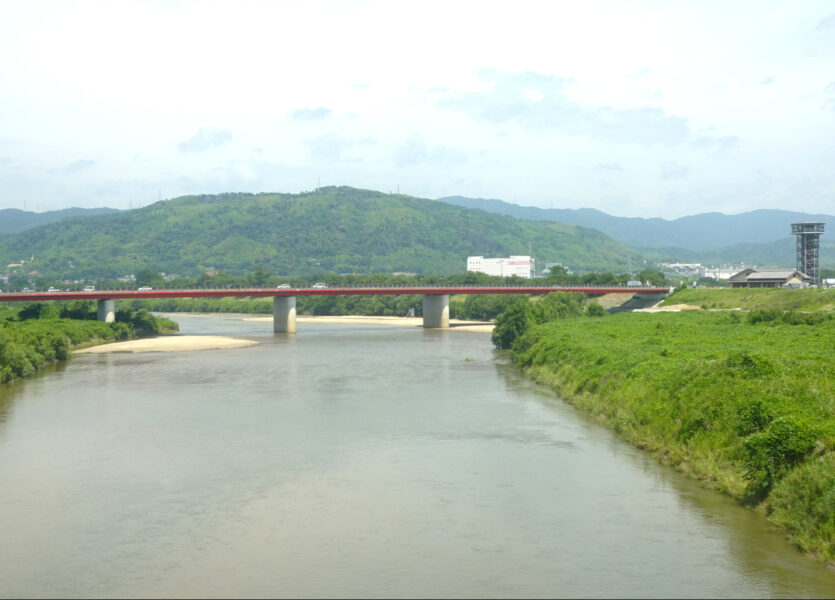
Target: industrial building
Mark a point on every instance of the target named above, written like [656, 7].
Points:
[520, 266]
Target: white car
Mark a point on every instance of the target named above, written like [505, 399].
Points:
[319, 286]
[283, 286]
[52, 290]
[89, 288]
[145, 288]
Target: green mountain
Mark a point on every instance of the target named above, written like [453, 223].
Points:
[334, 229]
[13, 220]
[695, 232]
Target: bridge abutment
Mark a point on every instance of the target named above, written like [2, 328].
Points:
[106, 311]
[284, 314]
[436, 311]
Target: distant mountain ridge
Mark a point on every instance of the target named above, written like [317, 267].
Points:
[13, 220]
[694, 233]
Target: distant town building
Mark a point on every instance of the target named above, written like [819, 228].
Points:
[520, 266]
[722, 272]
[770, 278]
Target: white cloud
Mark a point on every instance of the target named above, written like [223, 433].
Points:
[76, 167]
[333, 147]
[539, 102]
[310, 114]
[827, 24]
[205, 139]
[671, 170]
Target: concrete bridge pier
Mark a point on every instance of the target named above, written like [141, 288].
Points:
[106, 311]
[436, 311]
[284, 314]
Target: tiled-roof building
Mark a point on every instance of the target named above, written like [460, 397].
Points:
[769, 278]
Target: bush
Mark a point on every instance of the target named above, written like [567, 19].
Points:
[768, 454]
[764, 315]
[746, 364]
[512, 323]
[753, 415]
[803, 503]
[595, 310]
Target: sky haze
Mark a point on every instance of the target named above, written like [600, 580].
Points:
[639, 108]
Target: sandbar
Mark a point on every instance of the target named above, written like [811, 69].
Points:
[483, 326]
[669, 308]
[170, 343]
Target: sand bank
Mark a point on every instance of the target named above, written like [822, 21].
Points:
[173, 343]
[669, 308]
[484, 326]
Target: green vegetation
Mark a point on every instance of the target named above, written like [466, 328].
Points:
[334, 229]
[804, 299]
[39, 334]
[744, 403]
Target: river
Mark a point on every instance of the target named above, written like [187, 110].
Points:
[351, 461]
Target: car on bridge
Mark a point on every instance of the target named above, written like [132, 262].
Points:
[283, 286]
[52, 290]
[145, 288]
[89, 288]
[319, 286]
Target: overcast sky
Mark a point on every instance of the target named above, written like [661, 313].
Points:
[653, 109]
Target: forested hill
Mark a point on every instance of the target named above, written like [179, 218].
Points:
[13, 220]
[334, 229]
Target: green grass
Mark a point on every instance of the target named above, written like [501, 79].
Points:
[746, 407]
[756, 298]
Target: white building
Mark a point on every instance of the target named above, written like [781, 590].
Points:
[521, 266]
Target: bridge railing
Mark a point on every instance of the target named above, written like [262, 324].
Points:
[76, 290]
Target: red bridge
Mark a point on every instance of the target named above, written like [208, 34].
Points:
[435, 298]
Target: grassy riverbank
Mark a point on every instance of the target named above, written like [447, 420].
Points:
[804, 299]
[745, 403]
[39, 334]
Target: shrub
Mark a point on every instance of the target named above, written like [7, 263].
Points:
[747, 364]
[512, 323]
[595, 310]
[803, 502]
[764, 315]
[753, 415]
[768, 454]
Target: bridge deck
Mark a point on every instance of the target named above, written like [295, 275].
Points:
[39, 296]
